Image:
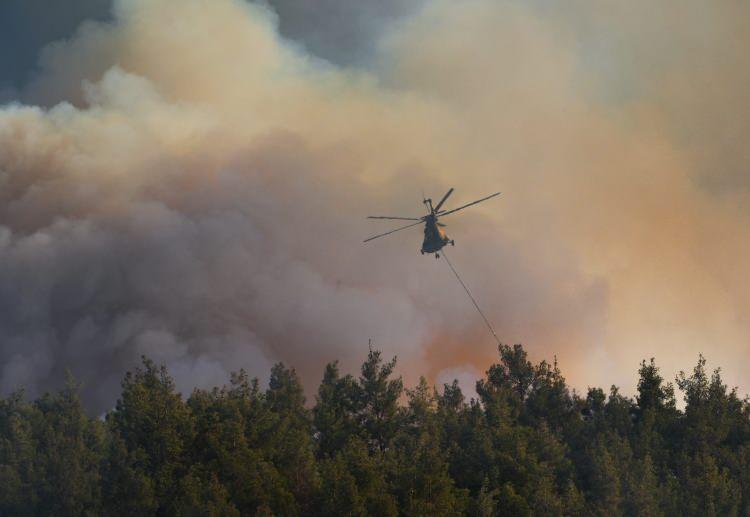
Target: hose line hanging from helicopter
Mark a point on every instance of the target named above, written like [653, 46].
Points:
[435, 239]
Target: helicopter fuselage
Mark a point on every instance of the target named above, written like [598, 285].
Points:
[435, 237]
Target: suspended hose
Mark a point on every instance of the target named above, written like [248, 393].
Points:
[471, 297]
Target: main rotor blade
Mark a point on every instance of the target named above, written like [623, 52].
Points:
[394, 231]
[437, 208]
[467, 205]
[398, 218]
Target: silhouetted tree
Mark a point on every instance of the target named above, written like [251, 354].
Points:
[527, 446]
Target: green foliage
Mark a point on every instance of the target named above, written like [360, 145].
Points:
[154, 428]
[49, 456]
[377, 401]
[367, 446]
[335, 412]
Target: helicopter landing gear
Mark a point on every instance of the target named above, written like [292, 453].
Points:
[453, 243]
[421, 251]
[437, 255]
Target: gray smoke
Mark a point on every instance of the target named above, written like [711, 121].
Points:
[197, 191]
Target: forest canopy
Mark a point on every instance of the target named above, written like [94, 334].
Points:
[366, 445]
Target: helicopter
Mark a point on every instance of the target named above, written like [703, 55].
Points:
[435, 237]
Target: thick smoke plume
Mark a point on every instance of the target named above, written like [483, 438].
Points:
[195, 190]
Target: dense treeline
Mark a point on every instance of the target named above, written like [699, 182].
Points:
[369, 447]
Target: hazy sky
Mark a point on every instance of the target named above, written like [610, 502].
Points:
[190, 179]
[340, 31]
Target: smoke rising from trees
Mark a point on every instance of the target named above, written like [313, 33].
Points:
[196, 191]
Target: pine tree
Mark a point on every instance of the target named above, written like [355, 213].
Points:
[424, 485]
[486, 505]
[235, 439]
[340, 493]
[126, 488]
[18, 474]
[291, 447]
[642, 492]
[528, 447]
[378, 400]
[510, 503]
[154, 428]
[68, 451]
[336, 411]
[605, 475]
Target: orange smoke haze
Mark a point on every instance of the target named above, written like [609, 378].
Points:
[194, 188]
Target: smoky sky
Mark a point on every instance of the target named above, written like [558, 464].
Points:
[189, 180]
[28, 25]
[343, 32]
[336, 30]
